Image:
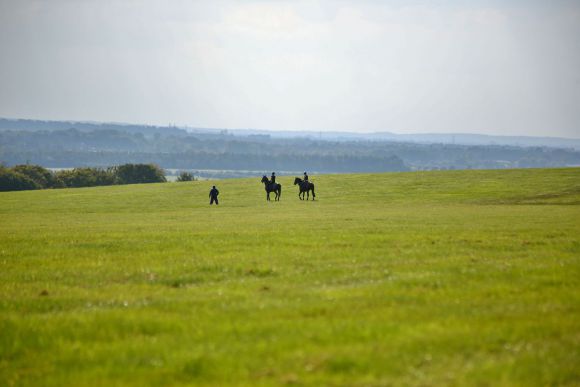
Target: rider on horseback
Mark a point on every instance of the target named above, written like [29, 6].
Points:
[272, 186]
[305, 187]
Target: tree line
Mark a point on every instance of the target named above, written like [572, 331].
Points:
[30, 177]
[223, 151]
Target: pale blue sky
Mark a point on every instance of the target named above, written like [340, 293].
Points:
[492, 67]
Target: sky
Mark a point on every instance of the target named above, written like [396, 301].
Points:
[488, 67]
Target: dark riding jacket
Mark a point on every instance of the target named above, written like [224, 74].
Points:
[214, 193]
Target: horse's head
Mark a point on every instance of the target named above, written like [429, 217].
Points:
[265, 179]
[297, 180]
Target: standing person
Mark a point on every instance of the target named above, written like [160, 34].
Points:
[305, 177]
[213, 195]
[273, 178]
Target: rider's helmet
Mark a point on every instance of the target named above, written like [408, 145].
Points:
[273, 173]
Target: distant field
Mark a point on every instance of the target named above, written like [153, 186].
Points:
[421, 278]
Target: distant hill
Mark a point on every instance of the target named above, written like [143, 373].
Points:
[422, 138]
[481, 139]
[39, 125]
[65, 144]
[425, 138]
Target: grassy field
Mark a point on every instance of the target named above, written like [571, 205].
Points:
[422, 278]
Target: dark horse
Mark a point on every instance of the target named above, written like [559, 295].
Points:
[305, 186]
[271, 187]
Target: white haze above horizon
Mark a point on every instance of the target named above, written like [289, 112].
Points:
[486, 67]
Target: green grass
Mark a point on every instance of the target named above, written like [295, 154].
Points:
[423, 278]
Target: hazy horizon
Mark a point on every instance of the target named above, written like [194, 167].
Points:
[481, 67]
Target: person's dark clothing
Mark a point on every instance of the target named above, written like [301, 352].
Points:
[305, 177]
[213, 195]
[273, 179]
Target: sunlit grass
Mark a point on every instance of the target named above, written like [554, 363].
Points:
[464, 277]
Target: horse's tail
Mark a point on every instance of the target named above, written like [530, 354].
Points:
[313, 194]
[279, 190]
